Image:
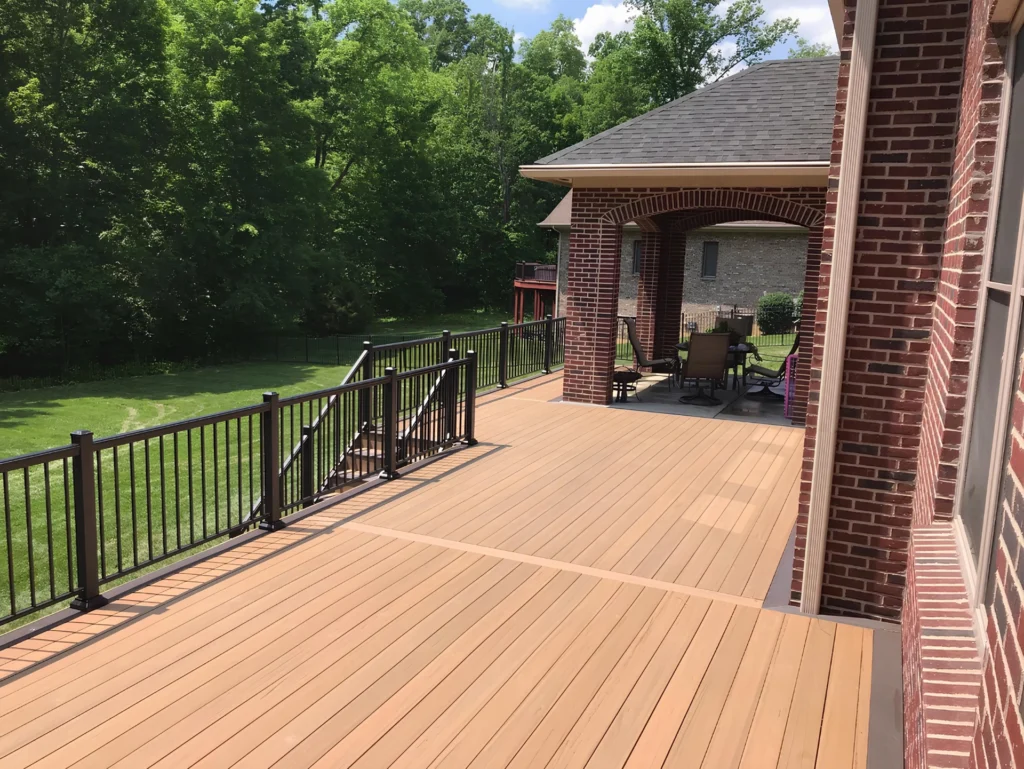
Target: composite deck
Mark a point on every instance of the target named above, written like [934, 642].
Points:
[583, 588]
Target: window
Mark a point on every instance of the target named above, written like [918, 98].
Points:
[999, 344]
[638, 255]
[709, 261]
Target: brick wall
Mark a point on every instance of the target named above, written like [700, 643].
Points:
[906, 175]
[952, 328]
[749, 265]
[628, 281]
[595, 261]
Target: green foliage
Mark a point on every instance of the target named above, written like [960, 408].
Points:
[179, 177]
[805, 49]
[775, 313]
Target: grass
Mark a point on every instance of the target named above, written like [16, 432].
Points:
[32, 420]
[435, 324]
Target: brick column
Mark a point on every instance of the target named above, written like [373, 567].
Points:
[647, 296]
[592, 304]
[807, 315]
[670, 294]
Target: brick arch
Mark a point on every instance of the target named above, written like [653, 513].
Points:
[759, 204]
[683, 221]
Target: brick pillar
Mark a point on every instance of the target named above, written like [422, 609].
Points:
[670, 294]
[592, 304]
[807, 315]
[647, 297]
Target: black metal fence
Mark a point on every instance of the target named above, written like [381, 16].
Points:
[81, 516]
[707, 320]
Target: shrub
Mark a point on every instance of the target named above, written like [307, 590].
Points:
[775, 313]
[798, 308]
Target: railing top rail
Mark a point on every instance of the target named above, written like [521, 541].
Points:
[327, 392]
[356, 368]
[477, 332]
[408, 343]
[37, 458]
[528, 323]
[176, 427]
[437, 368]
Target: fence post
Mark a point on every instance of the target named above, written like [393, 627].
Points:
[503, 355]
[451, 399]
[390, 471]
[366, 394]
[471, 398]
[270, 450]
[306, 479]
[305, 340]
[86, 547]
[337, 349]
[548, 342]
[446, 344]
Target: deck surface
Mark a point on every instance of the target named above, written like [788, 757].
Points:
[583, 588]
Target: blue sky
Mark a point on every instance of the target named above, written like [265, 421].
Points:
[528, 17]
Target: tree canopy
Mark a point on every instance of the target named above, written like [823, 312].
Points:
[178, 177]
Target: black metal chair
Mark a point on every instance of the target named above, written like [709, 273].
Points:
[668, 365]
[768, 378]
[707, 360]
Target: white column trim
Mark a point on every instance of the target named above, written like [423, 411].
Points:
[838, 305]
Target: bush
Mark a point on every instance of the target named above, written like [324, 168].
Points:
[798, 309]
[775, 313]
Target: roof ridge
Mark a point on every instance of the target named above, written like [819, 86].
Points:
[547, 159]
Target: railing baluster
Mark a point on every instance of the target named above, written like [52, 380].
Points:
[28, 536]
[10, 544]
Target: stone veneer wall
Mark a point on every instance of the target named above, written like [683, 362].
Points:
[749, 264]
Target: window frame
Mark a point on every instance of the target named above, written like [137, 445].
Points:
[703, 260]
[638, 255]
[978, 572]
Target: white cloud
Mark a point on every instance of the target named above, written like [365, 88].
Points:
[526, 5]
[604, 17]
[813, 15]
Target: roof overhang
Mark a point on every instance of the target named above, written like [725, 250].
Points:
[805, 174]
[836, 8]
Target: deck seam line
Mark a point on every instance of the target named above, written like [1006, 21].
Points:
[589, 571]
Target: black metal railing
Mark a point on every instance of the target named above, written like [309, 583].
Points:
[543, 273]
[78, 517]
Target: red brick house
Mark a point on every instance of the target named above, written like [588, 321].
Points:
[912, 499]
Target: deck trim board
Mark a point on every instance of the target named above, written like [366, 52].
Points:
[548, 562]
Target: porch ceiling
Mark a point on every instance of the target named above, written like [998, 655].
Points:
[584, 587]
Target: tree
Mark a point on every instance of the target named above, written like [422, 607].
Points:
[805, 49]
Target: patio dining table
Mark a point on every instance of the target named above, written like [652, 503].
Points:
[741, 350]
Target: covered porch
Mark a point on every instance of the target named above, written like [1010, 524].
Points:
[584, 587]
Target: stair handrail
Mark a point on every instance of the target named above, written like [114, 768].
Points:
[296, 451]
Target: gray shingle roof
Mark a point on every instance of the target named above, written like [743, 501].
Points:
[776, 111]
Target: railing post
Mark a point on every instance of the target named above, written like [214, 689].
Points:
[86, 547]
[451, 399]
[471, 398]
[306, 479]
[549, 334]
[446, 344]
[390, 471]
[503, 355]
[270, 450]
[366, 394]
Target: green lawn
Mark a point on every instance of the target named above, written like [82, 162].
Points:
[31, 420]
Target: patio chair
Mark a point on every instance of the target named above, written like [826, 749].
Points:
[768, 378]
[707, 360]
[662, 365]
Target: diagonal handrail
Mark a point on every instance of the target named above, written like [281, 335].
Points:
[296, 451]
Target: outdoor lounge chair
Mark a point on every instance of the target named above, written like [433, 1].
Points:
[707, 360]
[768, 378]
[668, 365]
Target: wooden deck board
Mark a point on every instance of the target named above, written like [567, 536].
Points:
[583, 588]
